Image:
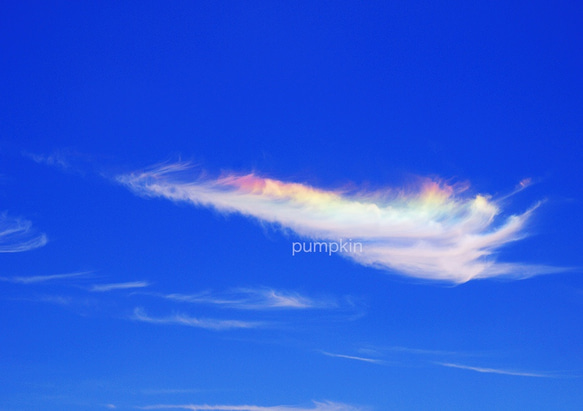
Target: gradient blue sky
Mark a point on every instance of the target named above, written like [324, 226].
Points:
[112, 297]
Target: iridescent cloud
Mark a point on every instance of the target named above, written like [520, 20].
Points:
[434, 232]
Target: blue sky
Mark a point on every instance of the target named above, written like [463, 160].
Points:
[158, 162]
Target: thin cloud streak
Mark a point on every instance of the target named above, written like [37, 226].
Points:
[408, 350]
[318, 406]
[17, 235]
[494, 370]
[352, 357]
[435, 232]
[206, 323]
[119, 286]
[253, 299]
[172, 391]
[44, 278]
[449, 365]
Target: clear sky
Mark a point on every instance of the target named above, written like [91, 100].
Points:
[164, 167]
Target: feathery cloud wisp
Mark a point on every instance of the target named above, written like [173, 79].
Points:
[253, 299]
[435, 232]
[17, 235]
[182, 319]
[494, 370]
[118, 286]
[35, 279]
[352, 357]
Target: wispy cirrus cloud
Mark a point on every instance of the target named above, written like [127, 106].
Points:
[118, 286]
[183, 319]
[495, 370]
[317, 406]
[254, 299]
[408, 361]
[435, 232]
[18, 235]
[36, 279]
[393, 351]
[352, 357]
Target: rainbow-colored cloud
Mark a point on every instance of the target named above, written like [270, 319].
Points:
[434, 232]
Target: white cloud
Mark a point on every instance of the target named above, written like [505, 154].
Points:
[44, 278]
[435, 232]
[408, 350]
[424, 352]
[118, 286]
[318, 406]
[207, 323]
[494, 370]
[253, 299]
[445, 364]
[351, 357]
[17, 235]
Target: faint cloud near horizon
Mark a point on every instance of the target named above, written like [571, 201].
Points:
[317, 406]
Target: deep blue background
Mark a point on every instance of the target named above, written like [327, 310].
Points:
[327, 93]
